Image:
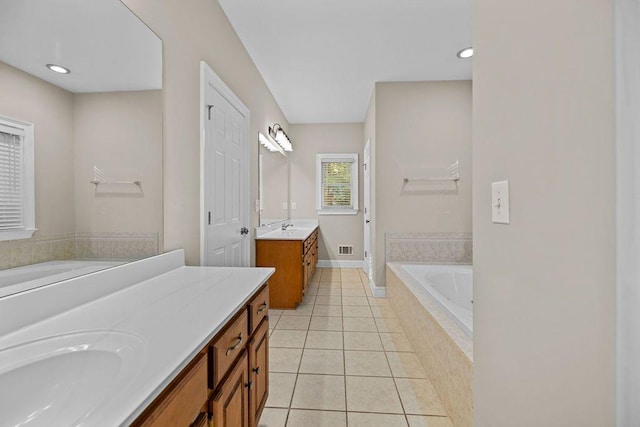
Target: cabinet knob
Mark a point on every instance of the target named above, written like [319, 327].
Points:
[256, 370]
[248, 385]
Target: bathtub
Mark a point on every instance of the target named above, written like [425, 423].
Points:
[434, 304]
[32, 276]
[451, 286]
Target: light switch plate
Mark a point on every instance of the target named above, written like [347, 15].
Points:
[500, 202]
[284, 206]
[294, 206]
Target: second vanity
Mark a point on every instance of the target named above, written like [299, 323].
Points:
[293, 252]
[152, 342]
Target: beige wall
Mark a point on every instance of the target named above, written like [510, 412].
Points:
[420, 126]
[335, 230]
[192, 31]
[274, 176]
[544, 285]
[121, 134]
[49, 108]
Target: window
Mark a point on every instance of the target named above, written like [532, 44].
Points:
[337, 184]
[17, 204]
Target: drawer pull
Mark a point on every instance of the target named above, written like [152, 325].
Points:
[263, 307]
[235, 345]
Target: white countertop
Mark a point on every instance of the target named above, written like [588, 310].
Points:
[174, 314]
[299, 230]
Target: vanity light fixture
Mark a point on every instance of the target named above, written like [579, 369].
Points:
[278, 134]
[465, 53]
[269, 145]
[58, 69]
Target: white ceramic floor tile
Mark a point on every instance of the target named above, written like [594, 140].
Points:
[319, 323]
[359, 419]
[309, 299]
[306, 418]
[329, 292]
[380, 302]
[366, 364]
[328, 310]
[329, 299]
[362, 341]
[352, 285]
[280, 389]
[384, 312]
[301, 310]
[315, 361]
[284, 359]
[370, 394]
[273, 417]
[293, 322]
[328, 340]
[359, 324]
[356, 311]
[352, 292]
[287, 338]
[361, 300]
[387, 325]
[419, 397]
[405, 365]
[422, 421]
[273, 313]
[319, 392]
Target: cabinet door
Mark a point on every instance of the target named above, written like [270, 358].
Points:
[259, 372]
[230, 407]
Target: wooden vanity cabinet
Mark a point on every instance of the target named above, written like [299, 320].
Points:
[295, 262]
[227, 383]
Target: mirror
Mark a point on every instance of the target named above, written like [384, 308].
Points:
[97, 141]
[273, 172]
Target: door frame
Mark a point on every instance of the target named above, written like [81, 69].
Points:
[366, 175]
[207, 75]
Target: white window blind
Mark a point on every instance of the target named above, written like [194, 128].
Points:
[11, 178]
[337, 184]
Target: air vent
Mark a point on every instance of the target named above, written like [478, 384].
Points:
[345, 250]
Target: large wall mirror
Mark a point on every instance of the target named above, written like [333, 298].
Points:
[97, 138]
[274, 186]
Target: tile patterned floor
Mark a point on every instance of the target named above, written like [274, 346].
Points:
[342, 359]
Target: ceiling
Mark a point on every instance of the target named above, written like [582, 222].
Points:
[104, 44]
[321, 58]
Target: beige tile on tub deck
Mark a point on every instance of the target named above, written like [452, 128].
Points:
[320, 323]
[328, 310]
[328, 340]
[284, 359]
[362, 341]
[422, 421]
[356, 311]
[419, 397]
[388, 325]
[366, 364]
[405, 365]
[359, 419]
[301, 310]
[396, 341]
[359, 324]
[384, 312]
[287, 338]
[280, 389]
[273, 417]
[307, 418]
[371, 394]
[319, 392]
[317, 361]
[293, 322]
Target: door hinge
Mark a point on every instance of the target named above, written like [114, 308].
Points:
[209, 107]
[209, 220]
[365, 254]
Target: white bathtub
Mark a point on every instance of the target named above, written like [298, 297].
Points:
[450, 286]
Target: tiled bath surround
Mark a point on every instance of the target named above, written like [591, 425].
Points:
[429, 248]
[443, 349]
[57, 247]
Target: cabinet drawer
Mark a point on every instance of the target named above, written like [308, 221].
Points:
[182, 404]
[258, 308]
[227, 347]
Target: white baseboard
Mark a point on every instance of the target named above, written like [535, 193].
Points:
[331, 263]
[377, 291]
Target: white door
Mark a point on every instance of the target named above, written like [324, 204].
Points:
[225, 176]
[367, 209]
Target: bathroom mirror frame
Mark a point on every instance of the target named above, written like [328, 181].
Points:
[273, 186]
[99, 198]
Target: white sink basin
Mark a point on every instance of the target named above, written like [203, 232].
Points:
[61, 380]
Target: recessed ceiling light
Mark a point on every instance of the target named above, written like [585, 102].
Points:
[465, 53]
[58, 69]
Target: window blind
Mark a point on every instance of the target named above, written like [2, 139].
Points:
[336, 184]
[11, 178]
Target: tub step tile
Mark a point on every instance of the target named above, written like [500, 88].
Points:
[419, 397]
[396, 341]
[406, 365]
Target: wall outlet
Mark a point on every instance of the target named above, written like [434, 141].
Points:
[500, 202]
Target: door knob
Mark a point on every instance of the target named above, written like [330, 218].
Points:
[244, 230]
[367, 221]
